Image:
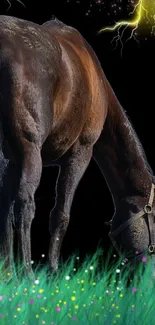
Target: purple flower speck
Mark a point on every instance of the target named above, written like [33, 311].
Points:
[1, 316]
[57, 308]
[31, 301]
[134, 289]
[144, 259]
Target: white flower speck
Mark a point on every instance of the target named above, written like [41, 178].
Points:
[67, 277]
[117, 271]
[43, 255]
[36, 281]
[91, 267]
[86, 271]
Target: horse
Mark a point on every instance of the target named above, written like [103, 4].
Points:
[58, 108]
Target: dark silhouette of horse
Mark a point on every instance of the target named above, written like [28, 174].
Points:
[57, 108]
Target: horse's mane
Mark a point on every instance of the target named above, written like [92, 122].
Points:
[59, 25]
[54, 22]
[132, 132]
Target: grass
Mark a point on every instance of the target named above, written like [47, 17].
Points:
[95, 293]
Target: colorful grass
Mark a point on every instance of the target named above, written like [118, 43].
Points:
[92, 294]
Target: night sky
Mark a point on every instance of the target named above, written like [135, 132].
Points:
[130, 68]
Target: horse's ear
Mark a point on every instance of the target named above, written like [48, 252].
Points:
[108, 223]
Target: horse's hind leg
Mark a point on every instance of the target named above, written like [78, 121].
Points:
[72, 169]
[24, 208]
[8, 190]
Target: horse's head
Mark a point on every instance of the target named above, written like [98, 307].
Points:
[136, 235]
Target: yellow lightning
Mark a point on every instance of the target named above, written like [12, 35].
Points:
[141, 10]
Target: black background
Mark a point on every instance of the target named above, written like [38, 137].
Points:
[132, 78]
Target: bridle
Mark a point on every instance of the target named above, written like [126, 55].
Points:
[147, 211]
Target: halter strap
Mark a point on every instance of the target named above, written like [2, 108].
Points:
[146, 211]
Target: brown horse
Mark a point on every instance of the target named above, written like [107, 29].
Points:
[57, 108]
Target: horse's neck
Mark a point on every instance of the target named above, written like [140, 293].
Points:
[120, 155]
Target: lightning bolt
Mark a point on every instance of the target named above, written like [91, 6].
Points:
[10, 2]
[140, 12]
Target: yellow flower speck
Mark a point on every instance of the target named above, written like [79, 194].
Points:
[82, 281]
[121, 295]
[118, 315]
[37, 316]
[57, 291]
[41, 290]
[73, 298]
[18, 309]
[82, 289]
[65, 302]
[76, 306]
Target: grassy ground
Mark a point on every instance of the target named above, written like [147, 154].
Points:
[91, 294]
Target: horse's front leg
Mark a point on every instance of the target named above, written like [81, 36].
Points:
[72, 169]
